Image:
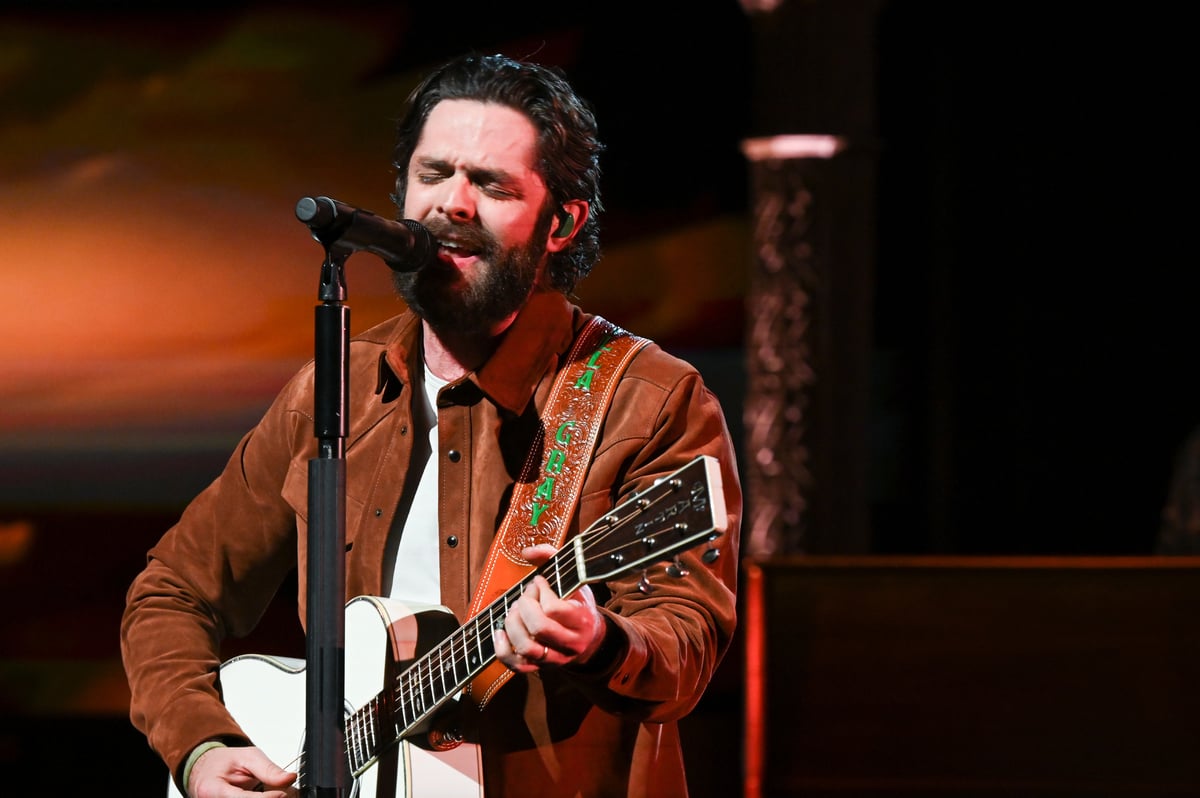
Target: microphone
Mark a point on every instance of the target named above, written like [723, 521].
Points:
[405, 246]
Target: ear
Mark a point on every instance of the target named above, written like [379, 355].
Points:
[568, 220]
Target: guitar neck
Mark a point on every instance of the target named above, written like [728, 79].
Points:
[453, 663]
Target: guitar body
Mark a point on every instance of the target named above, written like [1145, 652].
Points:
[266, 696]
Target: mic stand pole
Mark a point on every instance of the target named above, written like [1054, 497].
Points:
[325, 750]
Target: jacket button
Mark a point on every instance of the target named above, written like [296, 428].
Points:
[378, 511]
[452, 541]
[455, 455]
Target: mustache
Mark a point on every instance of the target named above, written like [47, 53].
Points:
[466, 236]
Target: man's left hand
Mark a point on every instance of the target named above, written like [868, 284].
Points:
[543, 629]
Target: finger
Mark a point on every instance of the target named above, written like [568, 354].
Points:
[502, 644]
[573, 627]
[264, 772]
[530, 634]
[584, 597]
[539, 553]
[529, 623]
[274, 776]
[540, 593]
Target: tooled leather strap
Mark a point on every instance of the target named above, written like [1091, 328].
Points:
[544, 499]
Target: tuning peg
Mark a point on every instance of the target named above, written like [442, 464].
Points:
[644, 585]
[710, 555]
[676, 569]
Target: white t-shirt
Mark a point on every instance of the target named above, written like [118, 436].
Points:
[413, 551]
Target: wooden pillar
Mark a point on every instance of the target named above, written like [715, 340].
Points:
[809, 303]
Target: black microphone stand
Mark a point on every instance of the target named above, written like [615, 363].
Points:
[325, 750]
[341, 229]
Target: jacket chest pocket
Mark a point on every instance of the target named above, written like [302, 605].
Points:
[296, 490]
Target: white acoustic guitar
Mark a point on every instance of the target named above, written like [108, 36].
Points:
[386, 729]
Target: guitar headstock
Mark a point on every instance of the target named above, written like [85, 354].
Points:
[678, 512]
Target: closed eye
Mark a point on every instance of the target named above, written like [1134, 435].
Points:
[495, 183]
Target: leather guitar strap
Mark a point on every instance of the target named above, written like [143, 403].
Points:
[547, 492]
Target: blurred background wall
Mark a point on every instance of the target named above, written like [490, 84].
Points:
[1024, 324]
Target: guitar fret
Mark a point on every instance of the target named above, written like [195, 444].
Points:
[421, 700]
[437, 688]
[471, 648]
[366, 735]
[371, 731]
[408, 697]
[480, 657]
[355, 738]
[441, 675]
[448, 671]
[444, 654]
[352, 746]
[354, 741]
[402, 697]
[462, 664]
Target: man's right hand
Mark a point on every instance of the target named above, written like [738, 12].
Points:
[233, 772]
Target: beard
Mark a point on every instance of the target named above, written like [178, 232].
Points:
[450, 302]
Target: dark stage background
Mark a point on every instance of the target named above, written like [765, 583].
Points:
[1033, 324]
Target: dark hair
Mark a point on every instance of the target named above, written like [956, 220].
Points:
[568, 146]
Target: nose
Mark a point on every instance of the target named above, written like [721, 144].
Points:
[458, 202]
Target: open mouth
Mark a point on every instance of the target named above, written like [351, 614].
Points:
[457, 252]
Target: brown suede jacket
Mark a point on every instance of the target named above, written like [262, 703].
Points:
[608, 730]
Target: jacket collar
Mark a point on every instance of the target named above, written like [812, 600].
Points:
[542, 331]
